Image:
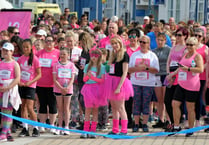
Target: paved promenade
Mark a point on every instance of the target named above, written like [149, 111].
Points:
[199, 138]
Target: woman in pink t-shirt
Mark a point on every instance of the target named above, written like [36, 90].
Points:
[47, 57]
[63, 76]
[30, 74]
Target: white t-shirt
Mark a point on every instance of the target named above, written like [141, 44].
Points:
[76, 53]
[144, 78]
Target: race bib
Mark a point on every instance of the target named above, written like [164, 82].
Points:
[141, 75]
[112, 69]
[83, 61]
[44, 62]
[25, 76]
[64, 73]
[5, 74]
[74, 57]
[94, 73]
[182, 76]
[109, 47]
[173, 63]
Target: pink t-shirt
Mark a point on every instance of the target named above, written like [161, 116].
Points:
[63, 75]
[7, 70]
[130, 51]
[74, 26]
[28, 72]
[47, 60]
[201, 51]
[186, 79]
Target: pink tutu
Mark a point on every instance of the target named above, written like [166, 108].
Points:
[111, 83]
[93, 95]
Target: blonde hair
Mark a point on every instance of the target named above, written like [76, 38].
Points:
[117, 56]
[192, 40]
[87, 41]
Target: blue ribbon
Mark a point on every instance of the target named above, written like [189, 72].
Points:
[157, 134]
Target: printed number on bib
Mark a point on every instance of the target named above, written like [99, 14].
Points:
[25, 76]
[109, 47]
[83, 61]
[44, 62]
[64, 73]
[182, 76]
[141, 75]
[112, 68]
[5, 74]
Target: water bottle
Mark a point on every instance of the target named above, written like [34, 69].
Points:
[193, 64]
[65, 84]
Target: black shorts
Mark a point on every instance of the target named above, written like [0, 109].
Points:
[59, 94]
[46, 98]
[182, 94]
[207, 96]
[27, 93]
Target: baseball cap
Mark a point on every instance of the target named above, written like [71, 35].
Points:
[146, 18]
[8, 46]
[41, 32]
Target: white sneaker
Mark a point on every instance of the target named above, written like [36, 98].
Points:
[57, 132]
[52, 130]
[41, 129]
[66, 132]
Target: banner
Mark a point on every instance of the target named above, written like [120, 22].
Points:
[17, 18]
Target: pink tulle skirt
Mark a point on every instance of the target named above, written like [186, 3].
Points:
[111, 83]
[93, 95]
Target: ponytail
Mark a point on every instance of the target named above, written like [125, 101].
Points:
[30, 60]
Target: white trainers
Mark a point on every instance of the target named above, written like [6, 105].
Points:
[52, 130]
[66, 132]
[41, 129]
[57, 132]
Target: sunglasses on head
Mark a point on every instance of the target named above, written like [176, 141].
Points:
[189, 44]
[196, 35]
[179, 35]
[94, 55]
[49, 40]
[143, 42]
[132, 36]
[16, 33]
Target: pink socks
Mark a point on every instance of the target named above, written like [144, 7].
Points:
[124, 124]
[115, 128]
[86, 126]
[93, 126]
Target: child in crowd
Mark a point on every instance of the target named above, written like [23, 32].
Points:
[63, 76]
[9, 96]
[30, 74]
[92, 91]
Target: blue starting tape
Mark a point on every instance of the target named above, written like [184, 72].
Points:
[34, 123]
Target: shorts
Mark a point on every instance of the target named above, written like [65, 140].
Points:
[207, 96]
[142, 99]
[59, 94]
[182, 95]
[160, 80]
[46, 99]
[27, 93]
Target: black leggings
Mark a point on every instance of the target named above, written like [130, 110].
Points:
[46, 98]
[129, 107]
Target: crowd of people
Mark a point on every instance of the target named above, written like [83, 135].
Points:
[79, 74]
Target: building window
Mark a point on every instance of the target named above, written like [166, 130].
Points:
[200, 16]
[170, 9]
[109, 8]
[178, 9]
[192, 9]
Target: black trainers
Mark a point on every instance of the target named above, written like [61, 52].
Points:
[169, 128]
[174, 131]
[73, 124]
[9, 137]
[145, 128]
[24, 133]
[159, 124]
[135, 128]
[166, 124]
[189, 134]
[206, 130]
[35, 133]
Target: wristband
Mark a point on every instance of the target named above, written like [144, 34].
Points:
[147, 68]
[188, 68]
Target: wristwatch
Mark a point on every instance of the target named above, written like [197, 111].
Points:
[188, 68]
[147, 68]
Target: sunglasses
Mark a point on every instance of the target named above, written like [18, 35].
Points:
[196, 35]
[132, 36]
[49, 40]
[16, 33]
[143, 42]
[179, 35]
[189, 44]
[94, 55]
